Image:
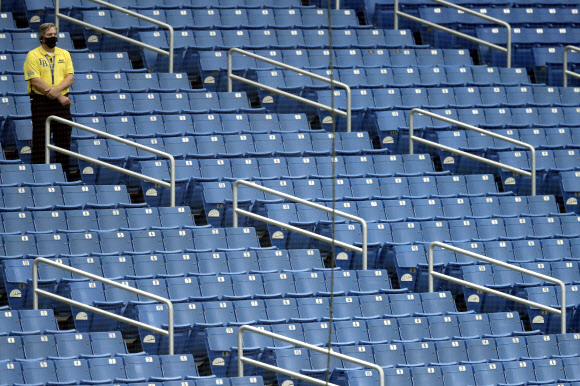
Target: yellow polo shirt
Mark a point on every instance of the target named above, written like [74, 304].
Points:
[39, 64]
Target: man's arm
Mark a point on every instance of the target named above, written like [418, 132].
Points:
[40, 85]
[54, 91]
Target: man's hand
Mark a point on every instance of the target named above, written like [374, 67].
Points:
[53, 93]
[65, 101]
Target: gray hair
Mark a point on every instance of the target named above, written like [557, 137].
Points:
[43, 28]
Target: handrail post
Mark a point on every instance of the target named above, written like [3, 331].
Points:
[411, 132]
[235, 205]
[171, 158]
[507, 49]
[396, 14]
[170, 53]
[413, 138]
[56, 13]
[276, 91]
[170, 310]
[432, 273]
[298, 343]
[301, 231]
[171, 48]
[565, 64]
[47, 139]
[34, 286]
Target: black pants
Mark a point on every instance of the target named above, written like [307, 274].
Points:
[42, 107]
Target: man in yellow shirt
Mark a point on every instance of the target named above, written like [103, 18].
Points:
[49, 72]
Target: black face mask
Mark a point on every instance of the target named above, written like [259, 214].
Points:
[51, 42]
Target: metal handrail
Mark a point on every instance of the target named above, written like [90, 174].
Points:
[507, 50]
[301, 231]
[58, 15]
[561, 311]
[170, 312]
[273, 90]
[276, 369]
[49, 146]
[412, 138]
[566, 71]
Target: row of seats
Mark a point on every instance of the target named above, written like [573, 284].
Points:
[358, 339]
[385, 122]
[61, 344]
[190, 42]
[247, 145]
[544, 139]
[64, 197]
[548, 371]
[523, 39]
[263, 18]
[20, 130]
[478, 97]
[124, 368]
[83, 62]
[516, 17]
[552, 296]
[17, 273]
[91, 219]
[380, 165]
[519, 109]
[168, 4]
[410, 261]
[212, 62]
[171, 264]
[392, 126]
[85, 105]
[548, 66]
[218, 197]
[194, 318]
[148, 103]
[514, 282]
[14, 174]
[169, 125]
[191, 173]
[549, 165]
[15, 322]
[387, 242]
[420, 208]
[381, 12]
[107, 241]
[22, 42]
[107, 82]
[205, 287]
[425, 76]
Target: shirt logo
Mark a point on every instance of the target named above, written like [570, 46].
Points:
[43, 62]
[30, 73]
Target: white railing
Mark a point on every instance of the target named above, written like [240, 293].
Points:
[49, 146]
[36, 291]
[276, 91]
[301, 231]
[432, 274]
[566, 71]
[507, 50]
[290, 373]
[58, 15]
[413, 138]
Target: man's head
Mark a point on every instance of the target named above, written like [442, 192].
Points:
[48, 35]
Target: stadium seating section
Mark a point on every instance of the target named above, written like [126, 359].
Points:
[220, 277]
